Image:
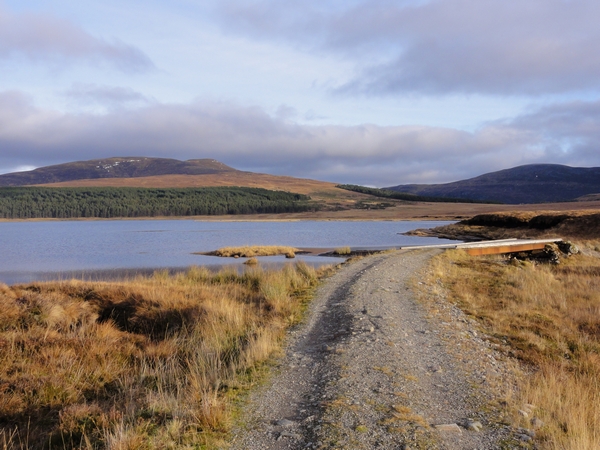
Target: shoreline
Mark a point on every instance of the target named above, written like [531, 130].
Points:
[401, 212]
[127, 274]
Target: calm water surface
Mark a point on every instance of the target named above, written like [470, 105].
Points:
[49, 250]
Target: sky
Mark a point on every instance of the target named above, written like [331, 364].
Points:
[371, 92]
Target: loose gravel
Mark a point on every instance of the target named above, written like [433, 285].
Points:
[374, 367]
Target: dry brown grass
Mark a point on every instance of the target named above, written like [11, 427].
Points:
[575, 224]
[342, 251]
[255, 250]
[148, 363]
[550, 318]
[340, 203]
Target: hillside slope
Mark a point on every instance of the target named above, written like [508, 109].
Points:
[534, 183]
[143, 172]
[118, 167]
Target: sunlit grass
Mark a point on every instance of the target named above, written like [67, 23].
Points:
[256, 250]
[550, 317]
[147, 363]
[342, 251]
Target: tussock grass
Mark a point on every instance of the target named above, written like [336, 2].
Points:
[147, 363]
[576, 224]
[257, 250]
[550, 318]
[342, 251]
[251, 261]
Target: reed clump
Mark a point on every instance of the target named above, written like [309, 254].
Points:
[342, 251]
[145, 363]
[256, 250]
[549, 315]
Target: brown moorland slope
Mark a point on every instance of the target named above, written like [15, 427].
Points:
[116, 167]
[533, 183]
[341, 204]
[572, 224]
[233, 178]
[318, 190]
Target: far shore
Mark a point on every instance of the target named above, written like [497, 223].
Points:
[401, 212]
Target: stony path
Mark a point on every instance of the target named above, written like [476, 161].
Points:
[373, 368]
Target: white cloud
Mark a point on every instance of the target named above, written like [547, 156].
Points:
[250, 139]
[40, 37]
[499, 47]
[111, 96]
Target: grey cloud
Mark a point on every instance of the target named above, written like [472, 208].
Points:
[286, 112]
[250, 139]
[515, 47]
[45, 38]
[571, 131]
[112, 96]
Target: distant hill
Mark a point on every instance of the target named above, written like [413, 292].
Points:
[121, 167]
[534, 183]
[162, 173]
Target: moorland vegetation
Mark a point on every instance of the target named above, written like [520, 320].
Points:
[388, 193]
[253, 251]
[146, 363]
[547, 316]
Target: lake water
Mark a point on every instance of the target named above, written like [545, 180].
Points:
[53, 250]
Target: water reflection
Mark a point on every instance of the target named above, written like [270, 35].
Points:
[50, 250]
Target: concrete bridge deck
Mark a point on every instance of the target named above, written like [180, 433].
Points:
[495, 247]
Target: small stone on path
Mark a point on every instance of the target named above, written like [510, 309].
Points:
[474, 426]
[450, 427]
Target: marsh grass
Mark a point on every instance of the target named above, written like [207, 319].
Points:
[342, 251]
[256, 250]
[550, 317]
[147, 363]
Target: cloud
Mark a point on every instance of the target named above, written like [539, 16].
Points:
[499, 47]
[286, 112]
[250, 139]
[41, 37]
[111, 96]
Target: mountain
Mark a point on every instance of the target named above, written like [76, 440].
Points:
[122, 167]
[162, 173]
[533, 183]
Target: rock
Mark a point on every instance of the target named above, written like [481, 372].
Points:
[448, 427]
[527, 432]
[474, 425]
[523, 413]
[568, 248]
[524, 437]
[537, 423]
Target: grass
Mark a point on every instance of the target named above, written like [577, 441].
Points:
[577, 224]
[148, 363]
[342, 251]
[550, 318]
[256, 250]
[251, 261]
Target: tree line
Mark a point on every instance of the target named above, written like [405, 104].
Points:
[96, 202]
[388, 193]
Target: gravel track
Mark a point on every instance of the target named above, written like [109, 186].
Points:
[373, 367]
